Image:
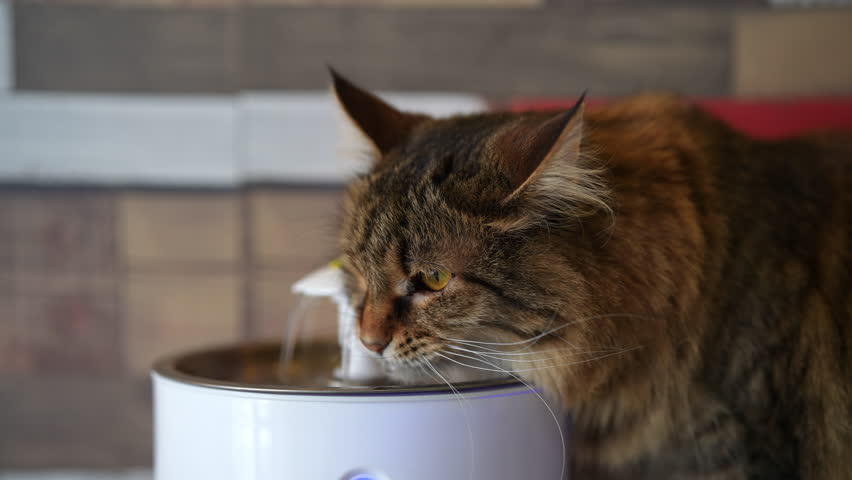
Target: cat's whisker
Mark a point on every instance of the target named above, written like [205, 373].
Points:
[543, 367]
[465, 364]
[510, 357]
[463, 405]
[525, 347]
[543, 402]
[546, 332]
[498, 353]
[554, 358]
[547, 327]
[482, 348]
[519, 342]
[422, 368]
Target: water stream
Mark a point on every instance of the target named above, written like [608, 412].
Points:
[323, 314]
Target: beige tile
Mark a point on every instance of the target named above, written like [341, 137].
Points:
[290, 224]
[796, 52]
[65, 230]
[11, 359]
[7, 284]
[156, 3]
[274, 307]
[406, 3]
[168, 228]
[66, 324]
[8, 204]
[169, 313]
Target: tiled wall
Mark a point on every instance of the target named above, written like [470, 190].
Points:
[95, 284]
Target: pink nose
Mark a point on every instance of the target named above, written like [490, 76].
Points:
[374, 345]
[376, 324]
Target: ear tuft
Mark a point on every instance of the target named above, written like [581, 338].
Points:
[549, 175]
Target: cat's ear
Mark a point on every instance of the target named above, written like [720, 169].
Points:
[547, 172]
[384, 126]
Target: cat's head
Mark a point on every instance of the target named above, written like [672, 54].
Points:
[468, 230]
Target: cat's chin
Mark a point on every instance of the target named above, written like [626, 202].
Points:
[446, 372]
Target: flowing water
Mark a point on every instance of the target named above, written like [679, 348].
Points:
[312, 321]
[323, 313]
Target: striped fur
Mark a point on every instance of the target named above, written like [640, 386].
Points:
[692, 287]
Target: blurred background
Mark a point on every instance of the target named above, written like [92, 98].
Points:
[169, 167]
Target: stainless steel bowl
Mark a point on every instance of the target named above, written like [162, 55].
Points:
[256, 367]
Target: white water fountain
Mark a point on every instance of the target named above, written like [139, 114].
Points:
[228, 413]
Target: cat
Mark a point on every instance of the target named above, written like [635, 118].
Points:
[682, 289]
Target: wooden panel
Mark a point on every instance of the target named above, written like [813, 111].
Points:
[659, 3]
[405, 3]
[50, 422]
[156, 3]
[167, 313]
[64, 230]
[66, 324]
[495, 52]
[180, 229]
[110, 47]
[7, 230]
[294, 224]
[794, 52]
[58, 282]
[12, 359]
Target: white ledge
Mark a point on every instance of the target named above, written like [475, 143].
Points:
[46, 138]
[203, 140]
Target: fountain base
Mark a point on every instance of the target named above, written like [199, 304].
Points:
[223, 414]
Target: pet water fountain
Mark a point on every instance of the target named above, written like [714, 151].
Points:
[323, 411]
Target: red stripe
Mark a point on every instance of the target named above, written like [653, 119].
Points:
[765, 118]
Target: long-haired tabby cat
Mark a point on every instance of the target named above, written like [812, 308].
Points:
[685, 291]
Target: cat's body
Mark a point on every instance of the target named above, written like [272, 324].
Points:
[745, 246]
[689, 289]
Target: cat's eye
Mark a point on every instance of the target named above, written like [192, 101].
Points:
[436, 280]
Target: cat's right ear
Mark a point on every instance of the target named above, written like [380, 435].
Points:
[384, 126]
[548, 176]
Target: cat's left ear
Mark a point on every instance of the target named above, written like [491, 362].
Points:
[384, 126]
[545, 168]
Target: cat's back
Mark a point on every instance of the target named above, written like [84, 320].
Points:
[775, 232]
[660, 135]
[648, 124]
[656, 131]
[783, 208]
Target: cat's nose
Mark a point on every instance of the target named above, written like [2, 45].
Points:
[375, 345]
[376, 324]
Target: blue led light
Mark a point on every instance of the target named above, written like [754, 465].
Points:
[363, 474]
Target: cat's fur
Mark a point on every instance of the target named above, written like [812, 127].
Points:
[699, 279]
